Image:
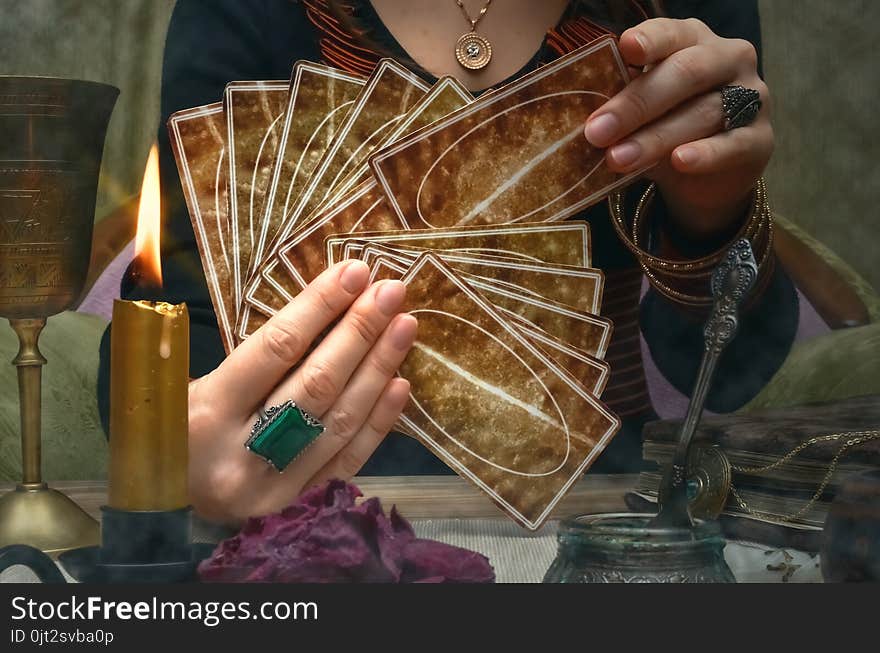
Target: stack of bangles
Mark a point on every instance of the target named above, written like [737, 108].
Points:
[687, 282]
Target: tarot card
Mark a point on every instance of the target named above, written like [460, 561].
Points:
[365, 209]
[587, 332]
[319, 100]
[390, 92]
[445, 97]
[303, 253]
[580, 288]
[491, 404]
[584, 369]
[198, 140]
[514, 155]
[254, 115]
[565, 243]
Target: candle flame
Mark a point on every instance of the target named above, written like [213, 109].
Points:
[149, 224]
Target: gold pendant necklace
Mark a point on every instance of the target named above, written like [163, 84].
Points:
[472, 50]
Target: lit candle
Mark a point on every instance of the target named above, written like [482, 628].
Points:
[149, 380]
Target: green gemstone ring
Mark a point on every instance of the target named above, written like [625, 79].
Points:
[282, 433]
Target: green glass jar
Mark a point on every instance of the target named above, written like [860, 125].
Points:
[621, 548]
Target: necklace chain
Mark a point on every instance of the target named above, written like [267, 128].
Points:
[473, 21]
[851, 439]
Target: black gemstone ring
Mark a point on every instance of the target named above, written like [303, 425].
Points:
[740, 105]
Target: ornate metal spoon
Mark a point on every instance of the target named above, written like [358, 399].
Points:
[732, 281]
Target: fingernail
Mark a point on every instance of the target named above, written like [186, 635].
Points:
[401, 387]
[642, 41]
[354, 277]
[389, 296]
[601, 130]
[687, 156]
[625, 154]
[403, 333]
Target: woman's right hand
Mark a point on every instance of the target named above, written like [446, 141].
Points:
[348, 382]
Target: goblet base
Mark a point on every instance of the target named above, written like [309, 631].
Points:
[46, 519]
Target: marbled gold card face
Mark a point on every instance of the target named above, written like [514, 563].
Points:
[318, 103]
[302, 259]
[585, 331]
[565, 243]
[390, 92]
[580, 288]
[491, 404]
[517, 154]
[198, 140]
[296, 251]
[364, 209]
[446, 96]
[583, 368]
[254, 117]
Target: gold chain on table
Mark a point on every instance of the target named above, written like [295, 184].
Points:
[855, 439]
[473, 21]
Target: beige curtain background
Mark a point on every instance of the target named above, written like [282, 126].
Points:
[819, 59]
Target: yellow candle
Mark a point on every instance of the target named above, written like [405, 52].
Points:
[149, 380]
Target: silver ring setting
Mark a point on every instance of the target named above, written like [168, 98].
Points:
[281, 433]
[740, 106]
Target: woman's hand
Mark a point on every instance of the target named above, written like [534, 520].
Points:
[348, 382]
[671, 116]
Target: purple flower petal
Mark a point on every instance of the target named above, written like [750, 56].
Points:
[326, 536]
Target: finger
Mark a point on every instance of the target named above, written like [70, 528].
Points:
[655, 39]
[351, 458]
[250, 372]
[319, 381]
[726, 151]
[697, 119]
[677, 79]
[348, 413]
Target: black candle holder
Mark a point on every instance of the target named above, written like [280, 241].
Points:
[137, 546]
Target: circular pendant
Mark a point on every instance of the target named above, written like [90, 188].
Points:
[473, 51]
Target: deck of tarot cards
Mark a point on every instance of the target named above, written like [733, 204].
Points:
[463, 200]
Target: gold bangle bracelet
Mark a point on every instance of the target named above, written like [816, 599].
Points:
[701, 266]
[757, 228]
[702, 301]
[749, 230]
[756, 234]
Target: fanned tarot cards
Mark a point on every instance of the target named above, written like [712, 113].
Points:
[464, 201]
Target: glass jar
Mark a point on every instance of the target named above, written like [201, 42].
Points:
[621, 548]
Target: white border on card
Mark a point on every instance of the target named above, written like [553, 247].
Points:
[299, 68]
[443, 84]
[381, 259]
[311, 227]
[452, 256]
[576, 225]
[385, 65]
[228, 99]
[552, 366]
[226, 328]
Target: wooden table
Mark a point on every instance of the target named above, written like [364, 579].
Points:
[450, 509]
[421, 497]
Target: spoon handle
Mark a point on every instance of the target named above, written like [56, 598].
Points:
[732, 281]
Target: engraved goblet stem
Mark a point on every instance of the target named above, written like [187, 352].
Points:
[29, 362]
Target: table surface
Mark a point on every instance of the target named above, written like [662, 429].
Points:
[449, 509]
[421, 497]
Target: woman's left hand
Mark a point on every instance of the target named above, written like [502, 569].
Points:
[671, 116]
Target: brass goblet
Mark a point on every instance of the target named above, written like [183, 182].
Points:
[51, 143]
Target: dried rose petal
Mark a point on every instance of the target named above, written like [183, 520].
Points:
[325, 536]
